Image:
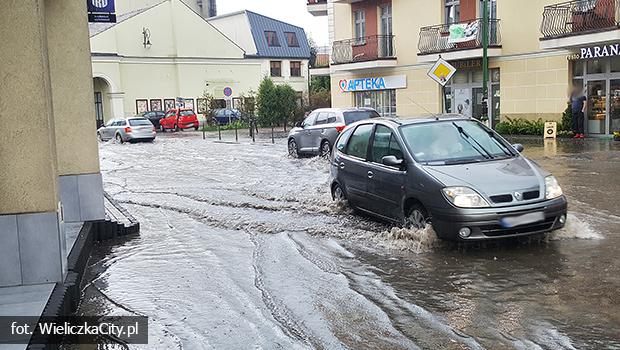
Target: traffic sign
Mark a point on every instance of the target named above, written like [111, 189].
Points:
[228, 91]
[441, 72]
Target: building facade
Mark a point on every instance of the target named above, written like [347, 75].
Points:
[167, 54]
[535, 55]
[50, 161]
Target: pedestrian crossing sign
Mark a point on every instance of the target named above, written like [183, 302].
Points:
[442, 71]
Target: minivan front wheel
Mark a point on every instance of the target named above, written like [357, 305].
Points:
[416, 218]
[292, 148]
[326, 149]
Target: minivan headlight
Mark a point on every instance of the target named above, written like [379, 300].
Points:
[465, 197]
[552, 189]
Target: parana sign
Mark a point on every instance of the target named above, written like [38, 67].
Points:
[374, 83]
[600, 51]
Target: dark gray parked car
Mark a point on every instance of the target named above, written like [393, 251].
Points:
[453, 172]
[318, 132]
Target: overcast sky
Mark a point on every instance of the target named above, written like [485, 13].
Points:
[291, 11]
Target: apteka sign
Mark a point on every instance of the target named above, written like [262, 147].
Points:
[600, 51]
[374, 83]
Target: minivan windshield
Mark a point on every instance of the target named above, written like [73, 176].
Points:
[453, 142]
[356, 116]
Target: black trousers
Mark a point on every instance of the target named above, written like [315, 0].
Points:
[578, 120]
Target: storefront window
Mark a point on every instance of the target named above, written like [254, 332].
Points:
[596, 66]
[615, 64]
[577, 68]
[614, 105]
[384, 101]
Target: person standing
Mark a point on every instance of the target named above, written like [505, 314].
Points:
[578, 109]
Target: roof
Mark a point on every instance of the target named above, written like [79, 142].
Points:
[96, 28]
[259, 24]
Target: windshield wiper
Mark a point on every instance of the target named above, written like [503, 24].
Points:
[466, 137]
[505, 149]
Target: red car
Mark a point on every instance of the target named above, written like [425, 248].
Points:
[179, 119]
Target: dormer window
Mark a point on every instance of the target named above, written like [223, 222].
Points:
[272, 39]
[291, 39]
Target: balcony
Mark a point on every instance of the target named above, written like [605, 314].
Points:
[464, 43]
[317, 7]
[369, 52]
[578, 23]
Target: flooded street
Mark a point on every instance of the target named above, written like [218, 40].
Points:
[242, 247]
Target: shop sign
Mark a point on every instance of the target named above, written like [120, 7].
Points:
[441, 72]
[374, 83]
[467, 64]
[101, 11]
[599, 51]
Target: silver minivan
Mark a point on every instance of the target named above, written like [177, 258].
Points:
[127, 130]
[318, 132]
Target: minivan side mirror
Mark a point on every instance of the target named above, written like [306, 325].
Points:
[392, 161]
[519, 147]
[299, 124]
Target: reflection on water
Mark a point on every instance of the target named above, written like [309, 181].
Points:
[242, 247]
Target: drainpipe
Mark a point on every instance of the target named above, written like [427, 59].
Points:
[485, 60]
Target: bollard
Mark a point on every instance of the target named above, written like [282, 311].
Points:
[273, 140]
[252, 128]
[219, 132]
[236, 135]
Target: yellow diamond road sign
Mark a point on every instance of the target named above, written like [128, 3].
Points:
[441, 72]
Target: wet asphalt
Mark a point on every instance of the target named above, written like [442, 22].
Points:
[241, 247]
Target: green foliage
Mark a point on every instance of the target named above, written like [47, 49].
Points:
[232, 126]
[247, 104]
[566, 124]
[320, 99]
[275, 103]
[521, 126]
[320, 83]
[266, 102]
[313, 52]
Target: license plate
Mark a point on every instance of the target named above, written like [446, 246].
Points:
[530, 218]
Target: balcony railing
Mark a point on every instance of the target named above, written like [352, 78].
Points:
[316, 2]
[578, 17]
[370, 48]
[438, 38]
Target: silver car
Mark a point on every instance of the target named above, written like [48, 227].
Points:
[317, 134]
[127, 130]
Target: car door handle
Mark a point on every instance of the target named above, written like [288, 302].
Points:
[341, 165]
[370, 175]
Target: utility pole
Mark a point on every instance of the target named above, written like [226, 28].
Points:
[485, 61]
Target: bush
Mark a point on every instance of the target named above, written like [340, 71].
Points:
[521, 126]
[566, 124]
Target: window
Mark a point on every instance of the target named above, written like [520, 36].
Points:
[384, 144]
[98, 108]
[140, 122]
[352, 117]
[309, 121]
[452, 11]
[295, 69]
[322, 118]
[342, 140]
[276, 68]
[360, 26]
[291, 39]
[272, 38]
[358, 146]
[383, 101]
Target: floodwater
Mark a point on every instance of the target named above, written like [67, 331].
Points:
[241, 247]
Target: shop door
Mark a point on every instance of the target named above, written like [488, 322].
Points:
[597, 107]
[614, 105]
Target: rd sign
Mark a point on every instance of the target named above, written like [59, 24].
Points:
[228, 92]
[441, 72]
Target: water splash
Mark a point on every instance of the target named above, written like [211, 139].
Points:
[575, 228]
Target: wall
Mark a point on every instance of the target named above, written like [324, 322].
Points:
[27, 149]
[237, 28]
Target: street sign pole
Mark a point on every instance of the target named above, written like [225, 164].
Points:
[485, 58]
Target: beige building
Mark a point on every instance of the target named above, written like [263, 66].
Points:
[167, 52]
[537, 49]
[49, 156]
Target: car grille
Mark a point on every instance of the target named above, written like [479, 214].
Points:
[498, 230]
[507, 198]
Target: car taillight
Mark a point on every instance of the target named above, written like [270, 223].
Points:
[340, 127]
[154, 129]
[127, 129]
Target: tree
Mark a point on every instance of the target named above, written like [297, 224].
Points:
[313, 51]
[287, 103]
[266, 102]
[320, 83]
